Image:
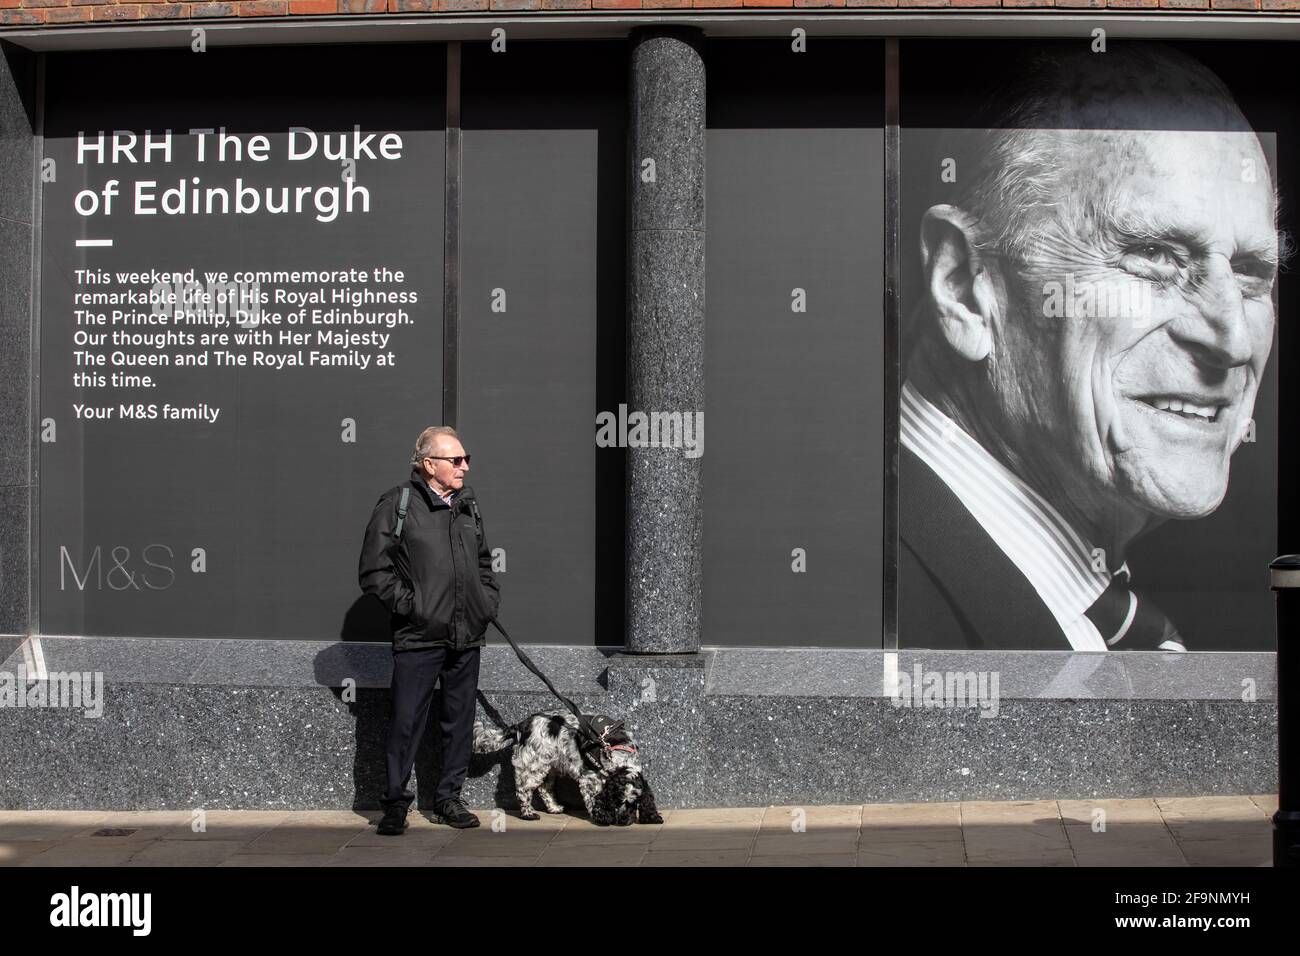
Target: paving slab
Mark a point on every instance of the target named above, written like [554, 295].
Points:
[452, 859]
[943, 853]
[294, 837]
[911, 814]
[877, 836]
[60, 855]
[1035, 845]
[629, 854]
[725, 817]
[807, 843]
[811, 818]
[14, 852]
[1266, 802]
[1125, 844]
[228, 825]
[1137, 810]
[607, 836]
[702, 839]
[186, 853]
[47, 824]
[1155, 831]
[410, 855]
[278, 859]
[484, 842]
[806, 859]
[1011, 812]
[1183, 809]
[656, 857]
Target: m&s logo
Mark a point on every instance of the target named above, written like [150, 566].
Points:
[116, 571]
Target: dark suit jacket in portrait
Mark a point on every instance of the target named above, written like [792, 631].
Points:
[956, 588]
[986, 562]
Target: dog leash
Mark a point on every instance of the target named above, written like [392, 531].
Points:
[593, 737]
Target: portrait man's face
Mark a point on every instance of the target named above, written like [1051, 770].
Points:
[1162, 251]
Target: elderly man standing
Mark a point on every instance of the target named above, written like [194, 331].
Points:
[435, 576]
[1098, 313]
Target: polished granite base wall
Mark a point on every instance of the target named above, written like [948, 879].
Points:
[18, 213]
[268, 724]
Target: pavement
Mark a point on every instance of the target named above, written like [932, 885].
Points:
[1160, 831]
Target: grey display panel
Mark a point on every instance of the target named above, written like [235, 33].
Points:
[541, 327]
[244, 517]
[793, 462]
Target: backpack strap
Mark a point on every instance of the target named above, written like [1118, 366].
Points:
[478, 521]
[401, 512]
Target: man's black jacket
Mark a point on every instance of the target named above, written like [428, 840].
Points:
[438, 581]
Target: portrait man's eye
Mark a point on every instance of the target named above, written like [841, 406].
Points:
[1153, 259]
[1254, 277]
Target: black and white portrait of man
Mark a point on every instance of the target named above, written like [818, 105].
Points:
[1095, 312]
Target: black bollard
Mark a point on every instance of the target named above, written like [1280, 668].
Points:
[1285, 575]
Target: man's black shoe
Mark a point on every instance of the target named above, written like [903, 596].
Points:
[394, 820]
[454, 813]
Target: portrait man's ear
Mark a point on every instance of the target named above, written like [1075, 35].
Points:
[960, 285]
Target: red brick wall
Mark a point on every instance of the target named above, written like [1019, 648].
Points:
[82, 11]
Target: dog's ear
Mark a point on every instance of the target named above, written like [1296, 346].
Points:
[646, 811]
[604, 809]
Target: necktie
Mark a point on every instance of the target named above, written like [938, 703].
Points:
[1128, 621]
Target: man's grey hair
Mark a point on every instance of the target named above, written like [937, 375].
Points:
[424, 445]
[1138, 86]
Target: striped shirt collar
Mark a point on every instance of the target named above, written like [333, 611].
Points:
[1052, 555]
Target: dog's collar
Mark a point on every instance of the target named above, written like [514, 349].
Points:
[628, 747]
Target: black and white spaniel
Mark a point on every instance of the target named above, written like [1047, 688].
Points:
[546, 748]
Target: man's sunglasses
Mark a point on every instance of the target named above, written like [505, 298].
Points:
[454, 459]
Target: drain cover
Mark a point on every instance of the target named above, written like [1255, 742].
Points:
[113, 831]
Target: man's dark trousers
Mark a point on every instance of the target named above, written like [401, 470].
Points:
[414, 674]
